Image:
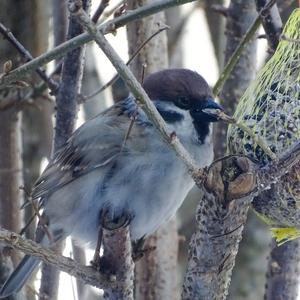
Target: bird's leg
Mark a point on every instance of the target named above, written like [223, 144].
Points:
[106, 222]
[139, 250]
[96, 259]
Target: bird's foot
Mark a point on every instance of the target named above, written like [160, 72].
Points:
[104, 266]
[139, 250]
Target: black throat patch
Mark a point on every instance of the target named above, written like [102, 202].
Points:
[202, 129]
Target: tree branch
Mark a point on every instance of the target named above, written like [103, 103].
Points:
[99, 11]
[231, 184]
[66, 112]
[117, 251]
[238, 51]
[87, 274]
[140, 95]
[84, 38]
[271, 22]
[283, 271]
[53, 85]
[84, 99]
[215, 239]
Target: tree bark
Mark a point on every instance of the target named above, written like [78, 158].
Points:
[283, 271]
[11, 180]
[240, 15]
[220, 220]
[216, 25]
[11, 172]
[154, 55]
[175, 19]
[156, 273]
[117, 253]
[91, 81]
[248, 277]
[66, 112]
[37, 122]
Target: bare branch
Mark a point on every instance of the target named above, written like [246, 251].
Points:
[271, 22]
[84, 38]
[21, 49]
[231, 184]
[276, 169]
[283, 271]
[66, 112]
[238, 51]
[87, 274]
[117, 249]
[83, 99]
[99, 11]
[140, 95]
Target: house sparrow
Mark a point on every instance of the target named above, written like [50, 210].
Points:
[139, 176]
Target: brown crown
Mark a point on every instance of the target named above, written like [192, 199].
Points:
[170, 84]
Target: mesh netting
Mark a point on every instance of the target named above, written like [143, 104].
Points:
[271, 108]
[271, 104]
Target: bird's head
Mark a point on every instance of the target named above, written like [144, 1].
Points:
[181, 94]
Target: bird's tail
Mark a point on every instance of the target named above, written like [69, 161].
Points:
[19, 276]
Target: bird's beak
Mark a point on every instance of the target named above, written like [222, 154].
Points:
[207, 110]
[212, 109]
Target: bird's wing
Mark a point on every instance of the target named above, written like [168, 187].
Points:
[96, 144]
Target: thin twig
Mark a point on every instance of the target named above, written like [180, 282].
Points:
[41, 220]
[238, 51]
[87, 274]
[21, 49]
[99, 11]
[139, 93]
[127, 134]
[84, 38]
[107, 13]
[83, 99]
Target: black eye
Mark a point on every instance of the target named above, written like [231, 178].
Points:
[183, 102]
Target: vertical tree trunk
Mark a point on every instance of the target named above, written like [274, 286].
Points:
[240, 15]
[11, 179]
[66, 112]
[156, 273]
[220, 220]
[117, 252]
[91, 82]
[37, 122]
[174, 19]
[154, 56]
[248, 278]
[283, 272]
[216, 24]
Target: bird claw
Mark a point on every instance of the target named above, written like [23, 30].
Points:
[139, 251]
[137, 255]
[104, 266]
[122, 221]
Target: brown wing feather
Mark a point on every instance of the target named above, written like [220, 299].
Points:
[95, 144]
